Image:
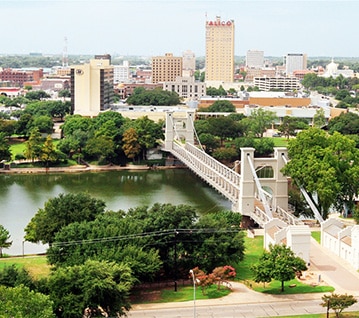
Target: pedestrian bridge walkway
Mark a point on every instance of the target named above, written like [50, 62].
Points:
[260, 197]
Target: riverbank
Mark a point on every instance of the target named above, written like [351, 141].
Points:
[83, 168]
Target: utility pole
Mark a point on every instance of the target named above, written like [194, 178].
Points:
[175, 260]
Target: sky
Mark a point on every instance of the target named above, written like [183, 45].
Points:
[149, 28]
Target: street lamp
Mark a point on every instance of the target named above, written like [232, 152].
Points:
[194, 292]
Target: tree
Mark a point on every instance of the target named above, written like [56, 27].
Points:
[131, 146]
[48, 151]
[21, 302]
[12, 276]
[327, 166]
[223, 127]
[128, 244]
[338, 302]
[290, 124]
[100, 147]
[33, 145]
[319, 118]
[260, 121]
[279, 263]
[345, 123]
[5, 153]
[92, 288]
[4, 239]
[222, 106]
[156, 97]
[61, 211]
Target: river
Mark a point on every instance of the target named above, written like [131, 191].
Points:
[22, 195]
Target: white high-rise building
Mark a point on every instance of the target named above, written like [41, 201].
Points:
[295, 62]
[254, 59]
[121, 73]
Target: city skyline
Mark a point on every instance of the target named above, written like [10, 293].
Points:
[150, 28]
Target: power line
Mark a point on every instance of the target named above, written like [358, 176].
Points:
[143, 235]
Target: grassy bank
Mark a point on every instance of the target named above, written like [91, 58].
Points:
[36, 265]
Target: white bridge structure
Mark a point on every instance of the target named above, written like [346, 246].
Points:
[261, 200]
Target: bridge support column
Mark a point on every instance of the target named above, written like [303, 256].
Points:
[169, 131]
[280, 192]
[247, 185]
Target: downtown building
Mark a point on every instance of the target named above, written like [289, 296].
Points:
[295, 62]
[91, 87]
[219, 51]
[166, 68]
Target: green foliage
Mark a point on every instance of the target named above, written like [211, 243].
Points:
[77, 242]
[326, 166]
[221, 106]
[96, 287]
[4, 239]
[33, 145]
[156, 97]
[345, 123]
[279, 263]
[21, 302]
[260, 120]
[61, 211]
[11, 276]
[212, 91]
[5, 153]
[338, 302]
[225, 154]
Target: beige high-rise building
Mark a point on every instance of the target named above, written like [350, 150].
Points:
[166, 68]
[220, 50]
[91, 87]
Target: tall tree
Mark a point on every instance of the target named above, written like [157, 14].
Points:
[327, 166]
[131, 146]
[5, 153]
[33, 145]
[61, 211]
[96, 288]
[261, 120]
[279, 263]
[48, 151]
[4, 239]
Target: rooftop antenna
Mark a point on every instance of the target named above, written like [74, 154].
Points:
[65, 60]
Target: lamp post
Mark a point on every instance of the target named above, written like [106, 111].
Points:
[194, 293]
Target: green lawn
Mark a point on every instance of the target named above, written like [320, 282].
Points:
[36, 265]
[18, 148]
[254, 249]
[316, 236]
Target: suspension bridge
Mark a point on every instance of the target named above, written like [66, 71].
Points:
[262, 199]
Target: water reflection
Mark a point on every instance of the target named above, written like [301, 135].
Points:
[22, 195]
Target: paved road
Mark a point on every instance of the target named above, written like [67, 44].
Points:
[246, 303]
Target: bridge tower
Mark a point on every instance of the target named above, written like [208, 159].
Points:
[275, 186]
[179, 126]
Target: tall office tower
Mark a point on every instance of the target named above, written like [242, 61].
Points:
[189, 63]
[220, 50]
[295, 62]
[91, 87]
[166, 68]
[254, 59]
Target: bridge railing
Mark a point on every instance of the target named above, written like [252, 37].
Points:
[287, 217]
[219, 176]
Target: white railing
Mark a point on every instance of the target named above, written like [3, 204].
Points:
[219, 176]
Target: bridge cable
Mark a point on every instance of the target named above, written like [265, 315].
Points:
[312, 206]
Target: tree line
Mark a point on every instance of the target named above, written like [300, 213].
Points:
[98, 256]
